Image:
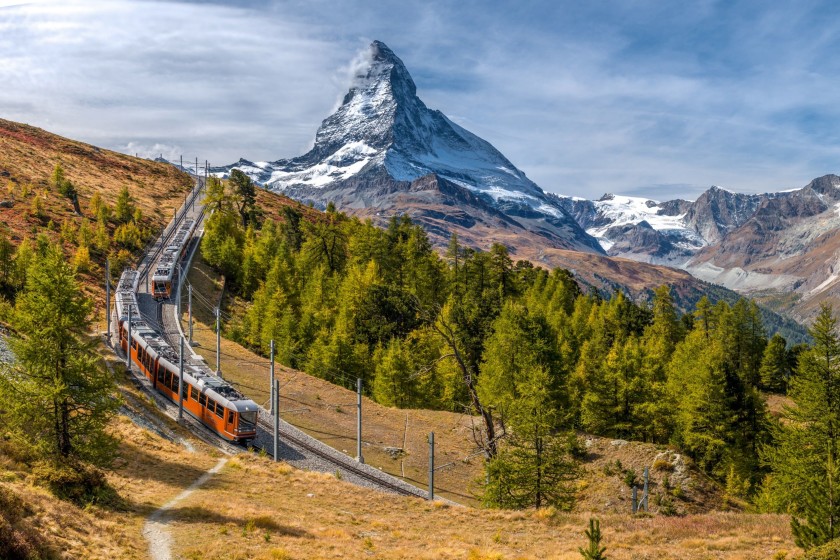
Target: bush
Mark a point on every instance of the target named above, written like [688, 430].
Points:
[828, 551]
[630, 478]
[613, 468]
[663, 464]
[81, 260]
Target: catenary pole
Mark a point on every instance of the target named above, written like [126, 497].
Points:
[276, 420]
[271, 369]
[359, 457]
[189, 310]
[181, 381]
[431, 465]
[218, 344]
[108, 300]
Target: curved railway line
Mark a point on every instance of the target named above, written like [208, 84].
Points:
[296, 447]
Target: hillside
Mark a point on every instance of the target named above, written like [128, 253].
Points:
[255, 508]
[28, 156]
[305, 515]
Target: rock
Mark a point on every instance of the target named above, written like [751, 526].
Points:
[618, 442]
[395, 452]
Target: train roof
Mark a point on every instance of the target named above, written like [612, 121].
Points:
[127, 291]
[197, 375]
[165, 267]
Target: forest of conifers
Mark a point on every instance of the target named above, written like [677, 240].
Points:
[519, 346]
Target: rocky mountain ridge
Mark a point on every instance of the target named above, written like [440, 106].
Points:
[383, 145]
[384, 153]
[782, 247]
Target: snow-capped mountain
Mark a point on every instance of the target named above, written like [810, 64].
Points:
[783, 246]
[638, 228]
[383, 139]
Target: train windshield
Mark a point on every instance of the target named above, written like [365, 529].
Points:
[160, 287]
[247, 421]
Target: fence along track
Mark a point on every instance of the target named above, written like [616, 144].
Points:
[347, 464]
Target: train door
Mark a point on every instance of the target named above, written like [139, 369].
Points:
[230, 420]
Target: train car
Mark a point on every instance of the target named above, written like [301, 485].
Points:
[207, 397]
[169, 259]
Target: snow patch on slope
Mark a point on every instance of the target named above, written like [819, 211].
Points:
[629, 210]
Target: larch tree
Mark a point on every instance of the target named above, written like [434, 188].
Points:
[804, 461]
[521, 377]
[124, 209]
[775, 365]
[59, 397]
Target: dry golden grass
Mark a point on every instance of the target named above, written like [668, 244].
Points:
[149, 471]
[28, 156]
[255, 508]
[282, 513]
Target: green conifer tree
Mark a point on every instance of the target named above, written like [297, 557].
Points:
[593, 549]
[804, 463]
[775, 364]
[58, 396]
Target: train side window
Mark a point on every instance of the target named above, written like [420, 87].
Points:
[160, 374]
[220, 411]
[202, 399]
[167, 381]
[230, 417]
[193, 393]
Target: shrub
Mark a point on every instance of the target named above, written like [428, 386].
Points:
[630, 478]
[81, 260]
[663, 464]
[828, 551]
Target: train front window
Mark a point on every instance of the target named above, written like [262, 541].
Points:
[160, 287]
[247, 421]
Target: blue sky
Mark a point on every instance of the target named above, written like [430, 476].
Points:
[659, 99]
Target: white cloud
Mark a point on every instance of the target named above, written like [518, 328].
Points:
[584, 98]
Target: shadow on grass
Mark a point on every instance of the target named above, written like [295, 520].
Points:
[264, 523]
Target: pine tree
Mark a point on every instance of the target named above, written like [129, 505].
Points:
[246, 196]
[521, 377]
[124, 209]
[593, 550]
[806, 476]
[775, 362]
[6, 261]
[59, 397]
[57, 178]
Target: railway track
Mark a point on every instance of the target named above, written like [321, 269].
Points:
[346, 464]
[298, 448]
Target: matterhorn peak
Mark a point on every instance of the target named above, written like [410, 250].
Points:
[382, 132]
[379, 70]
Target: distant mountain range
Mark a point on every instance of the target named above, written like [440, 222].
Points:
[782, 248]
[384, 153]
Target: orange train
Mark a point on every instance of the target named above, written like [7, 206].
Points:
[207, 397]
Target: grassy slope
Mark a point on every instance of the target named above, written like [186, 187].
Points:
[28, 156]
[257, 509]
